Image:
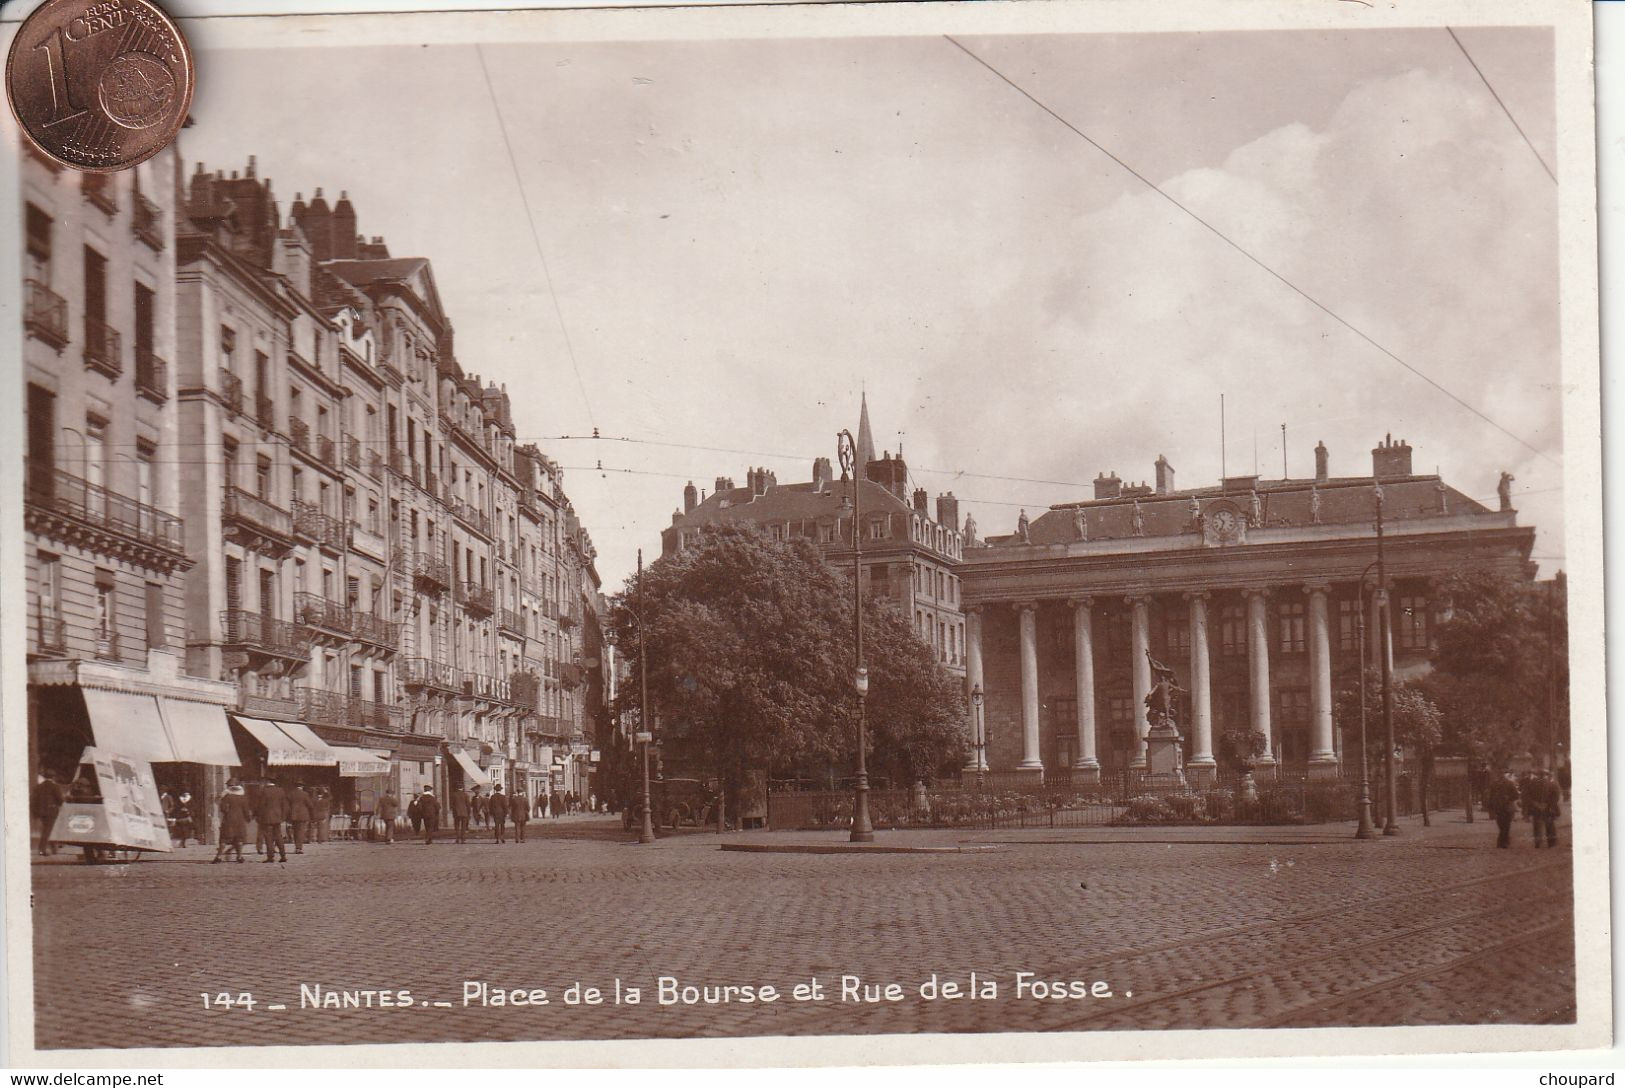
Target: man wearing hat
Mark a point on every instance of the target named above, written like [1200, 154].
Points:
[429, 813]
[300, 811]
[460, 808]
[389, 807]
[271, 811]
[497, 808]
[234, 817]
[46, 801]
[519, 811]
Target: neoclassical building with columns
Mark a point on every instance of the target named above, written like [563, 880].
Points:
[1258, 593]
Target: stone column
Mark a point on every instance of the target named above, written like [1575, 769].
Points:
[1201, 762]
[1083, 650]
[1030, 759]
[1141, 642]
[1322, 751]
[973, 678]
[1258, 668]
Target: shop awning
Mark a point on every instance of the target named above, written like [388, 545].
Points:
[281, 750]
[301, 734]
[359, 762]
[129, 725]
[472, 775]
[199, 732]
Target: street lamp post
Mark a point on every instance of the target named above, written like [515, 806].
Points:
[646, 827]
[981, 738]
[846, 449]
[1365, 830]
[1390, 822]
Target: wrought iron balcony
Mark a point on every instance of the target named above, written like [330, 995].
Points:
[352, 451]
[375, 630]
[299, 435]
[375, 465]
[52, 634]
[256, 513]
[45, 315]
[60, 493]
[568, 617]
[104, 347]
[269, 706]
[489, 688]
[430, 572]
[476, 598]
[147, 221]
[231, 391]
[421, 672]
[321, 707]
[431, 483]
[151, 376]
[469, 516]
[320, 613]
[265, 412]
[99, 190]
[327, 451]
[369, 715]
[261, 634]
[510, 620]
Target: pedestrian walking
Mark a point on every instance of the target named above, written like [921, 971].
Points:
[519, 812]
[271, 810]
[43, 804]
[321, 813]
[389, 807]
[300, 813]
[414, 812]
[1501, 801]
[234, 817]
[1542, 805]
[429, 814]
[496, 807]
[476, 807]
[185, 823]
[556, 801]
[1565, 779]
[461, 806]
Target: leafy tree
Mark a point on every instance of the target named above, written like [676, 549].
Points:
[1417, 723]
[1500, 665]
[750, 664]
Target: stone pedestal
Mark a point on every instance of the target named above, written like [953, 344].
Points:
[1162, 759]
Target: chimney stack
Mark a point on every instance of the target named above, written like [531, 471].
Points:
[1321, 462]
[948, 511]
[1391, 459]
[922, 501]
[691, 498]
[1165, 475]
[344, 228]
[1107, 487]
[724, 483]
[823, 474]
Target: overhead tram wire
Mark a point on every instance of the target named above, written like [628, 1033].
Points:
[1500, 102]
[1227, 240]
[535, 235]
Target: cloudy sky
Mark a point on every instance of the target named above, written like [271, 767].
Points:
[742, 235]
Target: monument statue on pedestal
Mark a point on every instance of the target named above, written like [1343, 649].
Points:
[1162, 757]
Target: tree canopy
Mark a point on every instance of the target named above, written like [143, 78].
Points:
[1500, 665]
[750, 664]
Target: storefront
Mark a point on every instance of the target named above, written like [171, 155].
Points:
[177, 724]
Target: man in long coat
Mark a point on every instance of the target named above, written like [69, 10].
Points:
[1501, 800]
[460, 808]
[300, 812]
[234, 817]
[321, 807]
[496, 807]
[1542, 803]
[519, 812]
[429, 814]
[45, 802]
[389, 807]
[476, 807]
[271, 811]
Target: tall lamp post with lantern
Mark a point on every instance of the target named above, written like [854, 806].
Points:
[846, 449]
[979, 742]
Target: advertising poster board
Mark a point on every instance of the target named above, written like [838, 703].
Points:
[129, 813]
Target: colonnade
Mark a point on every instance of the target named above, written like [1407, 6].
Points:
[1198, 723]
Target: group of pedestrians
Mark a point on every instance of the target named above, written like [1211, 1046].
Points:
[279, 813]
[1539, 794]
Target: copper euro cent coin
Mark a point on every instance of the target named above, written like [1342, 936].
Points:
[99, 85]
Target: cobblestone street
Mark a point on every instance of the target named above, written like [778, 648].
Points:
[1188, 928]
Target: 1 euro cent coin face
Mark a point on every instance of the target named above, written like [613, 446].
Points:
[99, 85]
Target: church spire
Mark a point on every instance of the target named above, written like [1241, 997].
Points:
[866, 440]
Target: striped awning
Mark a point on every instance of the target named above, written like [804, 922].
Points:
[281, 749]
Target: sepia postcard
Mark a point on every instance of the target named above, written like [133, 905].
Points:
[839, 534]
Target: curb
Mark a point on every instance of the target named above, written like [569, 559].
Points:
[851, 848]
